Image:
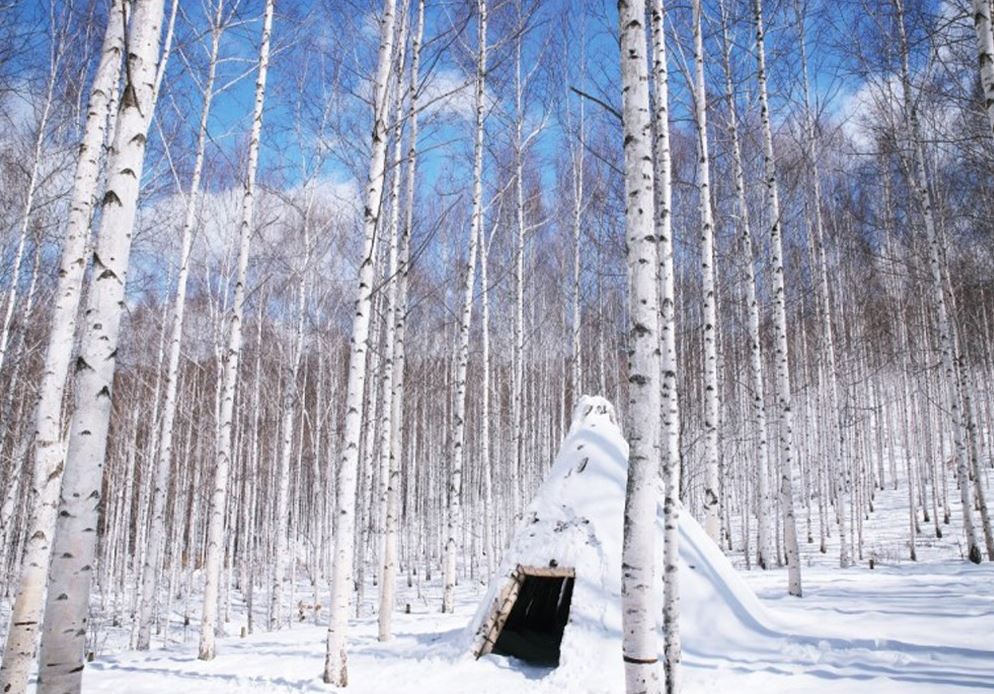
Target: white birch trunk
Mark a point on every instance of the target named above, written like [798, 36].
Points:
[486, 472]
[518, 349]
[68, 596]
[232, 353]
[985, 53]
[336, 662]
[252, 477]
[141, 543]
[167, 49]
[919, 182]
[383, 457]
[22, 635]
[288, 408]
[712, 519]
[764, 505]
[163, 461]
[388, 580]
[577, 149]
[458, 434]
[670, 407]
[638, 578]
[836, 444]
[784, 395]
[967, 393]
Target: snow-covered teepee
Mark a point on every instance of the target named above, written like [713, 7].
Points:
[556, 598]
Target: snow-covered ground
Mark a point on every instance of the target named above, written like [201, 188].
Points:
[905, 627]
[920, 628]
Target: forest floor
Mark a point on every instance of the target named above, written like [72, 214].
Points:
[909, 627]
[929, 627]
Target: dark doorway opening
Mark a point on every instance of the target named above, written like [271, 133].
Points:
[533, 631]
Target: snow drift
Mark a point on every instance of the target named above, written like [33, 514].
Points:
[575, 522]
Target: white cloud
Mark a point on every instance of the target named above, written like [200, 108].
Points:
[448, 92]
[335, 206]
[860, 111]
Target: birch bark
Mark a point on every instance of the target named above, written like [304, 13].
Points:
[336, 662]
[985, 53]
[389, 570]
[67, 602]
[230, 359]
[163, 461]
[288, 407]
[787, 450]
[577, 150]
[518, 348]
[919, 182]
[669, 403]
[454, 517]
[638, 578]
[486, 472]
[836, 442]
[383, 457]
[712, 520]
[19, 651]
[764, 505]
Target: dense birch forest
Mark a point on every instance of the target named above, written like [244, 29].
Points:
[299, 300]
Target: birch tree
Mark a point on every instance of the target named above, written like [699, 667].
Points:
[784, 396]
[388, 579]
[867, 381]
[49, 450]
[919, 181]
[230, 359]
[382, 457]
[712, 509]
[764, 556]
[577, 144]
[836, 443]
[520, 144]
[68, 595]
[669, 402]
[156, 535]
[638, 577]
[985, 53]
[336, 662]
[458, 434]
[288, 407]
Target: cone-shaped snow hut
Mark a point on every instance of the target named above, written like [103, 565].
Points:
[556, 598]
